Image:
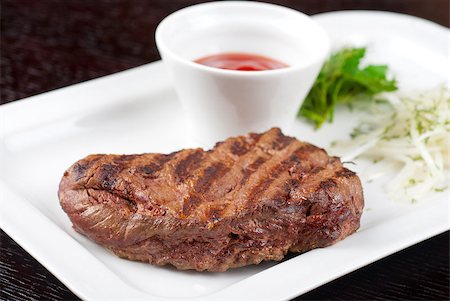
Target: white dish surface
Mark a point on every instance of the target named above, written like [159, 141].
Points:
[137, 111]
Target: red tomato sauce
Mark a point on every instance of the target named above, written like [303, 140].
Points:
[240, 61]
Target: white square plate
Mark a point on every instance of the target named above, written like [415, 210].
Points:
[137, 111]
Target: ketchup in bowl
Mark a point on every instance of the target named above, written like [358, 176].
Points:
[241, 61]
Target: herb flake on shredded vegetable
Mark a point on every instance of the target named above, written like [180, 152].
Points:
[410, 138]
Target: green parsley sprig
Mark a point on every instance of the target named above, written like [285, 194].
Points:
[342, 81]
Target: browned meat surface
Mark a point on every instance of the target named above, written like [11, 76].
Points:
[249, 199]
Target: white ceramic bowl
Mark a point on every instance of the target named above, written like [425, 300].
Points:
[220, 103]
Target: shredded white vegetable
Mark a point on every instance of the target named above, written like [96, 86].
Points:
[411, 135]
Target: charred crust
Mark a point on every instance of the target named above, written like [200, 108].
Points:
[238, 148]
[345, 173]
[294, 158]
[80, 168]
[210, 174]
[316, 170]
[281, 141]
[285, 165]
[233, 236]
[252, 168]
[262, 186]
[327, 184]
[108, 175]
[190, 204]
[150, 171]
[184, 168]
[253, 138]
[290, 185]
[217, 145]
[306, 150]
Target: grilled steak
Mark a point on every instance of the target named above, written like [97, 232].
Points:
[249, 199]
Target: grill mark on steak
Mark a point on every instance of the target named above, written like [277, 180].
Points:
[289, 186]
[253, 167]
[316, 170]
[281, 141]
[279, 168]
[306, 151]
[328, 183]
[80, 168]
[239, 148]
[274, 162]
[210, 174]
[253, 138]
[94, 194]
[186, 166]
[327, 188]
[282, 173]
[150, 171]
[190, 204]
[108, 175]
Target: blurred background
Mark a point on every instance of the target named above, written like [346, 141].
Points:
[48, 44]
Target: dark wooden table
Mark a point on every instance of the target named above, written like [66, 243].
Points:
[49, 44]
